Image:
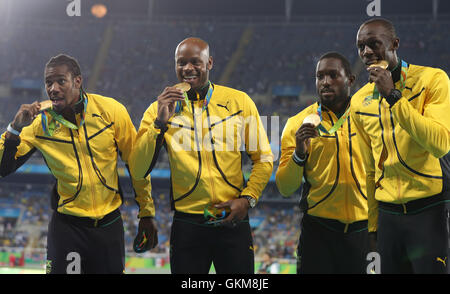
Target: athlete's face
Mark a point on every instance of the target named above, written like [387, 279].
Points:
[192, 64]
[332, 83]
[375, 43]
[61, 87]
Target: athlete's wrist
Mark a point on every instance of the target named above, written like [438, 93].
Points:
[393, 97]
[299, 159]
[301, 155]
[251, 202]
[13, 129]
[160, 125]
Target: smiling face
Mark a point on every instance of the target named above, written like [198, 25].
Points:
[62, 88]
[193, 63]
[332, 83]
[375, 43]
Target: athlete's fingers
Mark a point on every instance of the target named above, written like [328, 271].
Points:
[223, 204]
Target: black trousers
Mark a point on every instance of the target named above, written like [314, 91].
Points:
[415, 242]
[80, 245]
[330, 247]
[195, 246]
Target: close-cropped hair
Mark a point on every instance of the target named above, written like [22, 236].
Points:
[62, 59]
[344, 61]
[387, 24]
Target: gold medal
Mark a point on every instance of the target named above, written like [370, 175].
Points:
[182, 86]
[313, 119]
[383, 64]
[47, 104]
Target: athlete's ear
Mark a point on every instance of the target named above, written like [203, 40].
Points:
[209, 66]
[351, 80]
[77, 81]
[395, 44]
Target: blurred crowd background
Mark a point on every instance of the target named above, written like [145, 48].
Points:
[268, 50]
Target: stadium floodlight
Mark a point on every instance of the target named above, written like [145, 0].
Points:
[99, 10]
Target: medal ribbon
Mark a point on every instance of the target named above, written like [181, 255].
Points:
[179, 107]
[213, 216]
[49, 127]
[336, 126]
[403, 74]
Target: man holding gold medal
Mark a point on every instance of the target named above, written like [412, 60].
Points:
[80, 136]
[203, 127]
[403, 118]
[319, 144]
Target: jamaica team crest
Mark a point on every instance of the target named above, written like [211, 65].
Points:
[367, 100]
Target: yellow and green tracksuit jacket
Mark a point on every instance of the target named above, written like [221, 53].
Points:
[83, 161]
[205, 150]
[333, 173]
[403, 145]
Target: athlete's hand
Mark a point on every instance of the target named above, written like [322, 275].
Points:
[167, 103]
[303, 138]
[147, 226]
[25, 116]
[239, 209]
[382, 79]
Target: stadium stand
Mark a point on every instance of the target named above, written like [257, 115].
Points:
[138, 68]
[25, 211]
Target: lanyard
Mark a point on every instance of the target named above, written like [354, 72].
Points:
[336, 126]
[179, 106]
[49, 127]
[404, 72]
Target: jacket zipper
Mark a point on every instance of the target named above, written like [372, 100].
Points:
[338, 166]
[346, 187]
[94, 165]
[83, 153]
[341, 136]
[80, 172]
[210, 161]
[390, 145]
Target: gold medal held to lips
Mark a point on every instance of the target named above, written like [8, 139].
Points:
[383, 64]
[313, 119]
[47, 104]
[183, 86]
